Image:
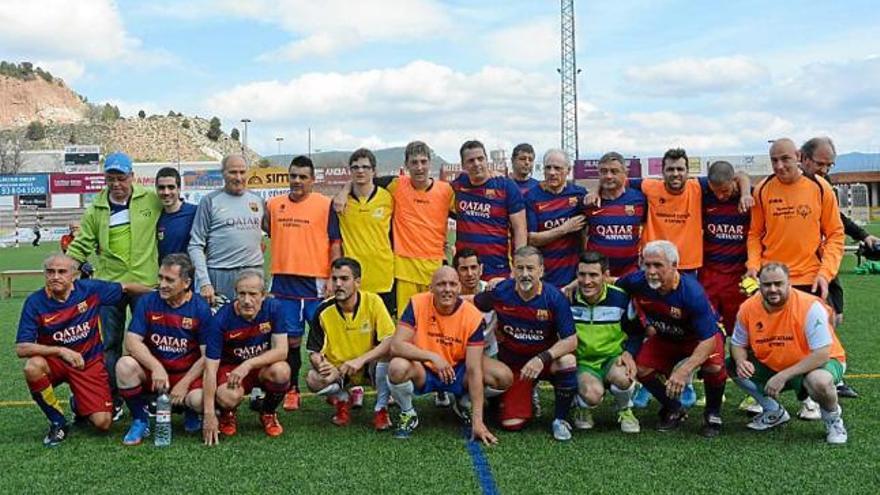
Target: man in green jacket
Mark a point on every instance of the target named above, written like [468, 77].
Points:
[120, 229]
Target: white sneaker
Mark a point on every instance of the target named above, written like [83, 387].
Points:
[441, 399]
[809, 410]
[356, 397]
[769, 419]
[628, 421]
[561, 430]
[536, 403]
[750, 405]
[836, 431]
[583, 418]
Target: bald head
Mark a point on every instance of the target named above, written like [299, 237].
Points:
[446, 289]
[234, 168]
[785, 160]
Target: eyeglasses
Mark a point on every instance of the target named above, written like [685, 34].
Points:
[822, 164]
[357, 168]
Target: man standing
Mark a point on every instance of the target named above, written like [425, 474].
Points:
[120, 227]
[604, 353]
[522, 162]
[784, 340]
[226, 236]
[366, 227]
[467, 265]
[555, 219]
[680, 325]
[490, 214]
[249, 349]
[817, 158]
[349, 334]
[58, 336]
[165, 344]
[438, 345]
[305, 240]
[615, 222]
[796, 221]
[536, 340]
[177, 217]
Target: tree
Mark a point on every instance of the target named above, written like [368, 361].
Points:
[214, 129]
[35, 131]
[171, 113]
[109, 113]
[72, 138]
[234, 134]
[142, 114]
[185, 124]
[264, 162]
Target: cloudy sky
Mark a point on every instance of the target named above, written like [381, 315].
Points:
[714, 77]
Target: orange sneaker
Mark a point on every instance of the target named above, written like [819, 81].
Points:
[228, 423]
[291, 400]
[381, 421]
[271, 425]
[343, 413]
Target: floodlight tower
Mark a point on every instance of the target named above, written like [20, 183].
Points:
[568, 73]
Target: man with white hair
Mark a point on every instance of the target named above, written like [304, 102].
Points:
[680, 325]
[555, 219]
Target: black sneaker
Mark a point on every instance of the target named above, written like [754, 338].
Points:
[711, 426]
[844, 390]
[56, 434]
[462, 409]
[671, 420]
[118, 409]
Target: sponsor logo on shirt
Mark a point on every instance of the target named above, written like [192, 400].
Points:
[804, 211]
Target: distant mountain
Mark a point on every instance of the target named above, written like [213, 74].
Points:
[388, 160]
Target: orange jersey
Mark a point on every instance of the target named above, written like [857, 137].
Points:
[779, 340]
[299, 233]
[799, 225]
[446, 335]
[420, 218]
[677, 218]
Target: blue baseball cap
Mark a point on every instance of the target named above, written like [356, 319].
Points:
[117, 162]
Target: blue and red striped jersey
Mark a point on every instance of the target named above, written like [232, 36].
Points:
[527, 185]
[74, 323]
[682, 314]
[724, 232]
[615, 230]
[546, 210]
[526, 328]
[237, 339]
[483, 221]
[173, 335]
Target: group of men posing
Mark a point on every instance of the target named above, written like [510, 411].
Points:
[639, 282]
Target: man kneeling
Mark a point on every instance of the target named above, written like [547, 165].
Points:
[166, 342]
[439, 340]
[249, 348]
[349, 333]
[604, 360]
[783, 339]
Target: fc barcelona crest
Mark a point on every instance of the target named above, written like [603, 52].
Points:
[490, 193]
[630, 210]
[82, 307]
[265, 327]
[573, 201]
[254, 206]
[675, 312]
[187, 323]
[542, 315]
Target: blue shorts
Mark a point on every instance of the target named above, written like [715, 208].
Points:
[301, 312]
[433, 383]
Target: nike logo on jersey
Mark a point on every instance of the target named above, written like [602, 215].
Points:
[50, 319]
[235, 335]
[156, 318]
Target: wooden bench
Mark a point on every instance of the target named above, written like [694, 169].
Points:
[7, 275]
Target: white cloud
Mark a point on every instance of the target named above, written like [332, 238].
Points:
[85, 30]
[694, 76]
[69, 70]
[528, 44]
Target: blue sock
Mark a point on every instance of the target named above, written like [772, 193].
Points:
[564, 388]
[752, 389]
[134, 397]
[658, 390]
[44, 395]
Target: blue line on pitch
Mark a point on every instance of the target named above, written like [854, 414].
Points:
[482, 470]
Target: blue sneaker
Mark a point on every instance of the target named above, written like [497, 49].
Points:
[192, 422]
[641, 398]
[139, 430]
[688, 396]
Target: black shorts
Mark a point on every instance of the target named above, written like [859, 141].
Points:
[390, 300]
[835, 294]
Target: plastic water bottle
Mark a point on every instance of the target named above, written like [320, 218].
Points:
[162, 436]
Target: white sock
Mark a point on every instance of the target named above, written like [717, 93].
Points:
[623, 398]
[403, 394]
[831, 415]
[382, 389]
[331, 389]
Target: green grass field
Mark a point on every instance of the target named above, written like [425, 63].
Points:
[313, 456]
